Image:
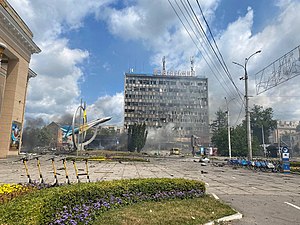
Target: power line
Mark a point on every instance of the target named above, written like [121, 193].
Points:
[191, 21]
[206, 39]
[239, 116]
[197, 45]
[195, 25]
[222, 59]
[226, 68]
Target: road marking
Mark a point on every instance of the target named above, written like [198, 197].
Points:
[215, 196]
[297, 207]
[254, 188]
[233, 178]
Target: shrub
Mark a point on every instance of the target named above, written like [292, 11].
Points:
[79, 203]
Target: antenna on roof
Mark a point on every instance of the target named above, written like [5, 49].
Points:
[192, 65]
[164, 65]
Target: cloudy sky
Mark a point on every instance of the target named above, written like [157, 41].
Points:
[87, 46]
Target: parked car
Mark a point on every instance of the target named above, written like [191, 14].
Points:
[175, 151]
[204, 159]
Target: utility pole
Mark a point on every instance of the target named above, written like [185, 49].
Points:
[228, 127]
[279, 142]
[263, 139]
[248, 127]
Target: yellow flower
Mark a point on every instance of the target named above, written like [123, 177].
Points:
[9, 188]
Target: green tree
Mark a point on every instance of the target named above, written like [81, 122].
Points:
[262, 119]
[220, 121]
[137, 136]
[220, 140]
[220, 133]
[239, 142]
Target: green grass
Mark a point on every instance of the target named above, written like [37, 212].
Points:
[174, 212]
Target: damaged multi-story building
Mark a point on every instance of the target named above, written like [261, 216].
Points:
[163, 98]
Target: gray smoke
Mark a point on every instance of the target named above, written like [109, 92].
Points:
[163, 138]
[33, 123]
[30, 133]
[65, 119]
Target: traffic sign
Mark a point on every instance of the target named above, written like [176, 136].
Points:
[285, 150]
[285, 155]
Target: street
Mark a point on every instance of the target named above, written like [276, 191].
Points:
[262, 197]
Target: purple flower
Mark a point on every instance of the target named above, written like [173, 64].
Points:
[84, 212]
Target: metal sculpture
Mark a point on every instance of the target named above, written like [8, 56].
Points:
[80, 127]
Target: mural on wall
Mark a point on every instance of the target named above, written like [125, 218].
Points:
[15, 135]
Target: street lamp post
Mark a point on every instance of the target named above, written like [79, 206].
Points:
[228, 127]
[248, 128]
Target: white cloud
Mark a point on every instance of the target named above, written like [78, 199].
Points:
[57, 59]
[56, 88]
[49, 19]
[159, 28]
[108, 106]
[55, 91]
[145, 20]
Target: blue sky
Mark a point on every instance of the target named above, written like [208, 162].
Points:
[110, 57]
[87, 46]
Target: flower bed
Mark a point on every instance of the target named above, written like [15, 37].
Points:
[80, 203]
[10, 191]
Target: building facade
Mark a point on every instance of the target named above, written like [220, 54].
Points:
[58, 139]
[16, 48]
[161, 100]
[283, 128]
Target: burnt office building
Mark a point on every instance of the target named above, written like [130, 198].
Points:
[176, 98]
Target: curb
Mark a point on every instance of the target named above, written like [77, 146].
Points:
[236, 216]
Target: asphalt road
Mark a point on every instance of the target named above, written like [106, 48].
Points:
[263, 198]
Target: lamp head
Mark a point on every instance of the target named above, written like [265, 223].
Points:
[2, 48]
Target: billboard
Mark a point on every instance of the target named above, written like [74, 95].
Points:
[15, 135]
